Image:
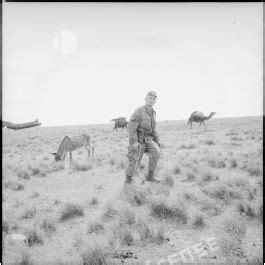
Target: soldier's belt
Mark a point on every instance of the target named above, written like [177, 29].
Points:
[143, 136]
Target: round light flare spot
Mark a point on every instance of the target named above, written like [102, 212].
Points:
[65, 42]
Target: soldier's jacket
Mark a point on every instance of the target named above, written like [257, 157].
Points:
[142, 118]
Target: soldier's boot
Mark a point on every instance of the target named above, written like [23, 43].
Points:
[150, 177]
[128, 180]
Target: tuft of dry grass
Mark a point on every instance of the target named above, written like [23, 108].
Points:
[121, 164]
[93, 201]
[232, 133]
[8, 226]
[221, 192]
[189, 196]
[29, 212]
[235, 138]
[258, 260]
[24, 258]
[251, 194]
[112, 161]
[158, 236]
[48, 225]
[168, 181]
[124, 235]
[254, 170]
[235, 228]
[150, 234]
[33, 236]
[232, 163]
[162, 191]
[94, 255]
[198, 220]
[71, 210]
[177, 170]
[35, 195]
[144, 230]
[95, 227]
[209, 142]
[240, 182]
[231, 240]
[188, 146]
[207, 177]
[35, 170]
[231, 249]
[9, 184]
[18, 187]
[235, 144]
[99, 162]
[216, 162]
[127, 217]
[24, 174]
[5, 226]
[194, 160]
[190, 176]
[42, 174]
[210, 207]
[162, 209]
[252, 209]
[109, 213]
[136, 195]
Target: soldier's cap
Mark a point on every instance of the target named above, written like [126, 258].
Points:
[151, 93]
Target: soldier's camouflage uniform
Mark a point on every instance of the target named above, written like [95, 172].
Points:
[143, 118]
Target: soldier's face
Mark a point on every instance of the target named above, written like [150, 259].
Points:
[150, 101]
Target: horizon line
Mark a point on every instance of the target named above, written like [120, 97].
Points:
[227, 117]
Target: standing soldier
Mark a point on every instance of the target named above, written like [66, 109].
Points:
[143, 136]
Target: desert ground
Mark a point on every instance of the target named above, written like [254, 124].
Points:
[208, 207]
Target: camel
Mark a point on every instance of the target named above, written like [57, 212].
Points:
[199, 117]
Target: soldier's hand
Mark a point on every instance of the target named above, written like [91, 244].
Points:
[135, 145]
[162, 146]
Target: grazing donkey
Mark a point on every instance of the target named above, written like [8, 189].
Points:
[70, 144]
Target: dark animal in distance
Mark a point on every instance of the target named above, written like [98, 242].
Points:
[120, 123]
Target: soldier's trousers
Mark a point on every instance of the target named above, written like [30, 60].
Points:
[151, 149]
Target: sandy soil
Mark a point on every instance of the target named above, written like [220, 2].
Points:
[208, 207]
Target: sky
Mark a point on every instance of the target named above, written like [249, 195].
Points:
[87, 63]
